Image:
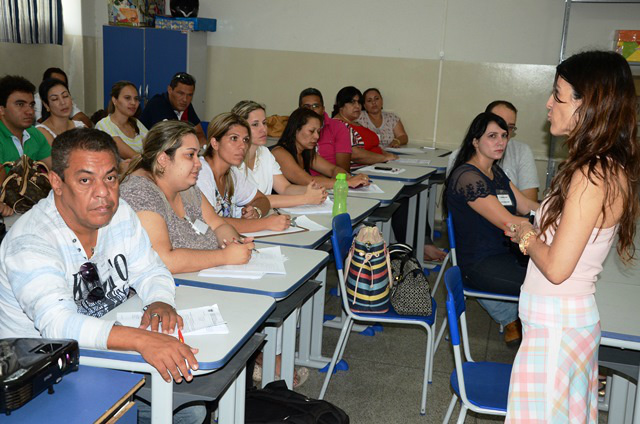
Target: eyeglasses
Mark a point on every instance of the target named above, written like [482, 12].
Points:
[184, 78]
[91, 278]
[512, 128]
[312, 106]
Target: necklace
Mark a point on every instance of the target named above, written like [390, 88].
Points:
[343, 118]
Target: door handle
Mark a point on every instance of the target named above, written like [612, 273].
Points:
[140, 90]
[146, 91]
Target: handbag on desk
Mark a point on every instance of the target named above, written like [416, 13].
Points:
[410, 292]
[367, 272]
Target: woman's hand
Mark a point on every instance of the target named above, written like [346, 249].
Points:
[5, 210]
[314, 194]
[278, 222]
[249, 212]
[517, 231]
[389, 156]
[236, 253]
[395, 143]
[359, 180]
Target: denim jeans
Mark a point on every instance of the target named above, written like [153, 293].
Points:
[191, 414]
[500, 274]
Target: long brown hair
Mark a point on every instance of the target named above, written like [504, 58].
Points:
[115, 92]
[603, 143]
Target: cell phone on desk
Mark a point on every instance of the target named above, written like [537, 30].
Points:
[383, 168]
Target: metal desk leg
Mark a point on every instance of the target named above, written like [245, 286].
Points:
[316, 360]
[433, 194]
[161, 400]
[422, 224]
[618, 400]
[288, 349]
[241, 389]
[411, 220]
[269, 355]
[636, 409]
[227, 406]
[304, 343]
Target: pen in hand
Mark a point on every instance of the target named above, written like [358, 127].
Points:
[235, 240]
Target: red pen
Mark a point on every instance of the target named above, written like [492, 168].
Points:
[180, 336]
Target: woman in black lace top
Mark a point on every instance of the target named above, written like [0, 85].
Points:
[481, 199]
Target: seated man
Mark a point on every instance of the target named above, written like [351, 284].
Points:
[18, 136]
[334, 143]
[175, 104]
[517, 162]
[77, 254]
[76, 114]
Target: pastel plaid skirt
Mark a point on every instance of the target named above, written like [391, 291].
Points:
[555, 373]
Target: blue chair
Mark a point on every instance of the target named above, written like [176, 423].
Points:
[341, 239]
[468, 292]
[483, 387]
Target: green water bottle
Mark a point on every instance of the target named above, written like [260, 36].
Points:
[340, 191]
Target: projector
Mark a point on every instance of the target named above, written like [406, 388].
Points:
[30, 366]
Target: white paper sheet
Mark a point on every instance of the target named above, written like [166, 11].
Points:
[203, 320]
[268, 260]
[325, 207]
[408, 150]
[412, 161]
[306, 222]
[381, 169]
[266, 233]
[371, 188]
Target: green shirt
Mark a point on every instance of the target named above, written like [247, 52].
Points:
[36, 147]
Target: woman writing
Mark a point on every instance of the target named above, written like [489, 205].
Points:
[365, 144]
[296, 153]
[57, 103]
[481, 199]
[263, 168]
[183, 227]
[127, 131]
[233, 196]
[593, 198]
[386, 124]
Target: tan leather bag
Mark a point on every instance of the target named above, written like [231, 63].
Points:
[276, 125]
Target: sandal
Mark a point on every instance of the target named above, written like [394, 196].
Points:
[300, 375]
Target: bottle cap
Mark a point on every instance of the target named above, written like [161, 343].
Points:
[341, 176]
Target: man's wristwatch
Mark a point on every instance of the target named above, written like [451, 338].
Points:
[259, 212]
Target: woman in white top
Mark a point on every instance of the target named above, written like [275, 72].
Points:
[121, 124]
[57, 103]
[263, 168]
[386, 124]
[233, 196]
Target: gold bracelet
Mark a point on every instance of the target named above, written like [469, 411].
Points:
[259, 212]
[525, 240]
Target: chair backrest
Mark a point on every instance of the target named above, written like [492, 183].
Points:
[455, 301]
[341, 238]
[452, 239]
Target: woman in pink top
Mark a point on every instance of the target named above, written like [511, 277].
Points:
[593, 197]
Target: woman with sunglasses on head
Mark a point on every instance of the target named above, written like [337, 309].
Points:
[386, 124]
[234, 197]
[296, 153]
[365, 144]
[481, 199]
[263, 168]
[593, 198]
[183, 227]
[57, 103]
[121, 124]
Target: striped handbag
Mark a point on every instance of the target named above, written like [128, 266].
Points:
[368, 272]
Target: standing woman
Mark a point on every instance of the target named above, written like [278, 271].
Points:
[233, 196]
[593, 197]
[386, 124]
[297, 156]
[263, 169]
[57, 104]
[121, 124]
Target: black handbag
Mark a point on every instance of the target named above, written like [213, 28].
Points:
[410, 291]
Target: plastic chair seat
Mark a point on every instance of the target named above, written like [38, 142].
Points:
[486, 384]
[391, 314]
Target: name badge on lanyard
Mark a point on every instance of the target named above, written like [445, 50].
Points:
[504, 198]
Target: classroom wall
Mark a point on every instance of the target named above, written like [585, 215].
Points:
[468, 51]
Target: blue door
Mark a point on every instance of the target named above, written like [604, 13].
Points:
[123, 54]
[165, 54]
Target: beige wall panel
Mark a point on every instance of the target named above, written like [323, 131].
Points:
[467, 88]
[276, 79]
[29, 60]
